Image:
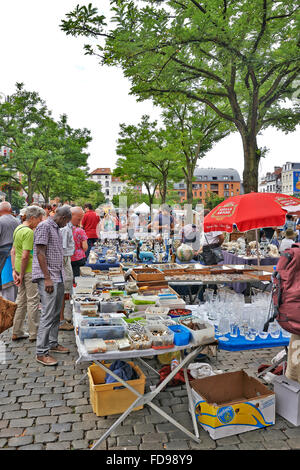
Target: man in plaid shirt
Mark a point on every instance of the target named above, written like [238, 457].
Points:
[48, 272]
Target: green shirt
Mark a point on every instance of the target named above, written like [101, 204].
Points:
[23, 240]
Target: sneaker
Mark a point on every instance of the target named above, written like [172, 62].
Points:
[60, 349]
[17, 338]
[66, 326]
[46, 360]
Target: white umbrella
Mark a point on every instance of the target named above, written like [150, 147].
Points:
[142, 208]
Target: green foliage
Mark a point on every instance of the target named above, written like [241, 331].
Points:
[147, 156]
[212, 200]
[133, 197]
[241, 59]
[46, 152]
[17, 201]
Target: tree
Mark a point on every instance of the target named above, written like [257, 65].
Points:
[241, 59]
[42, 149]
[194, 131]
[153, 153]
[133, 197]
[212, 200]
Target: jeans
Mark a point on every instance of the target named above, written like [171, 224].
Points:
[47, 336]
[4, 254]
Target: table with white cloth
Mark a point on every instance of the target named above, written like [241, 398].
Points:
[188, 353]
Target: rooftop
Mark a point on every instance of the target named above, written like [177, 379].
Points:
[212, 175]
[101, 171]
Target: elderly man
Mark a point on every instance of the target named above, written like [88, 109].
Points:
[8, 224]
[21, 257]
[48, 272]
[69, 248]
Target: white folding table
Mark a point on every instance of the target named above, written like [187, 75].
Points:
[147, 398]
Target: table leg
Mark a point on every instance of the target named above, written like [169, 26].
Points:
[148, 397]
[191, 403]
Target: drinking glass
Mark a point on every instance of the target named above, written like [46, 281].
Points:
[224, 324]
[285, 334]
[263, 334]
[274, 329]
[250, 335]
[234, 330]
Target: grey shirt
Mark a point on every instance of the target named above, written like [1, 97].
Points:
[8, 224]
[68, 240]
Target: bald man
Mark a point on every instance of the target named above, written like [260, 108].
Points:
[8, 224]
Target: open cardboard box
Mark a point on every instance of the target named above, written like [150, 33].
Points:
[232, 403]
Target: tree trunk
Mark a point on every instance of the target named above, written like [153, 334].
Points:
[30, 191]
[164, 191]
[251, 163]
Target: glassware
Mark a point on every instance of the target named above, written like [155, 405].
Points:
[224, 325]
[274, 329]
[251, 334]
[285, 334]
[234, 330]
[263, 334]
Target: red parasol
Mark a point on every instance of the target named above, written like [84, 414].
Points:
[251, 211]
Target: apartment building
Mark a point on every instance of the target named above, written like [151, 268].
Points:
[110, 185]
[225, 182]
[290, 178]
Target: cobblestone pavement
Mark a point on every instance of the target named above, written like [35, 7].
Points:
[45, 408]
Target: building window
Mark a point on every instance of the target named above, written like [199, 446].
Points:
[231, 193]
[226, 186]
[214, 178]
[214, 187]
[225, 178]
[226, 193]
[205, 186]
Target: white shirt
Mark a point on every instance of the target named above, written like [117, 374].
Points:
[286, 243]
[210, 238]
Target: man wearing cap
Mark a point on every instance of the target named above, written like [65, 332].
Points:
[288, 240]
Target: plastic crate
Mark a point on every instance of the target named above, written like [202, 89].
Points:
[110, 399]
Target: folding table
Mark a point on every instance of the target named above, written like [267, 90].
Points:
[147, 398]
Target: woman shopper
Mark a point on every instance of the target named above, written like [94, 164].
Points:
[80, 238]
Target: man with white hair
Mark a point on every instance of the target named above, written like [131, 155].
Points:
[8, 224]
[21, 256]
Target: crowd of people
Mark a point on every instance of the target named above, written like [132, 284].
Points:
[41, 252]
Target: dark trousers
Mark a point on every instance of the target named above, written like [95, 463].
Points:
[91, 242]
[76, 266]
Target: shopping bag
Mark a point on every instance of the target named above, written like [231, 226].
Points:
[7, 313]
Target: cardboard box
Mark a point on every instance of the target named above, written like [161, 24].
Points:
[232, 403]
[287, 394]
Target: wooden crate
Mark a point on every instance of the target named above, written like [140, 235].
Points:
[147, 274]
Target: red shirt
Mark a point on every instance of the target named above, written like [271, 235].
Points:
[89, 223]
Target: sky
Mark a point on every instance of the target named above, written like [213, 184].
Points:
[36, 52]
